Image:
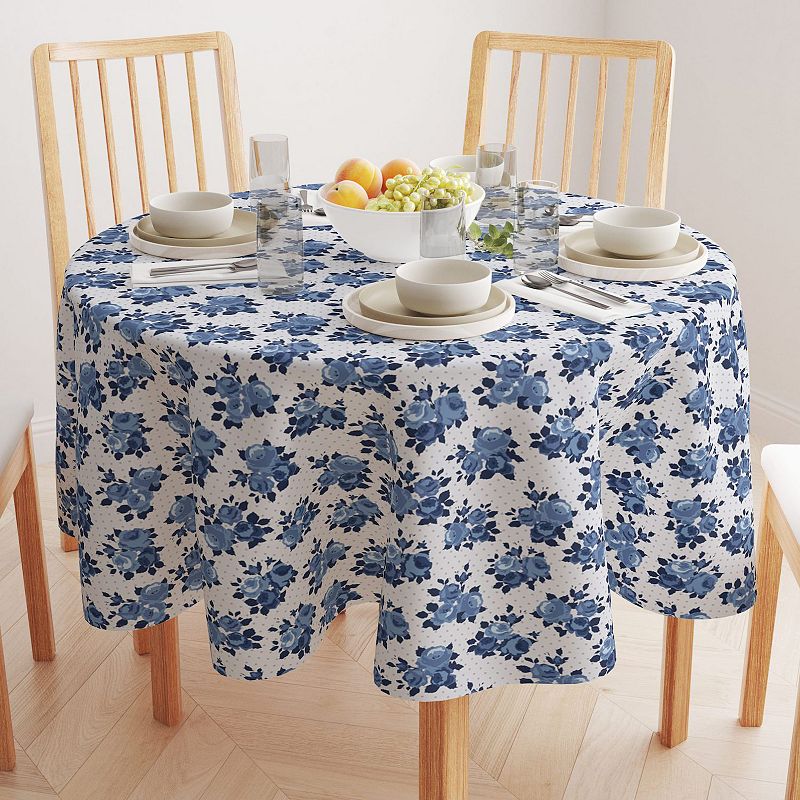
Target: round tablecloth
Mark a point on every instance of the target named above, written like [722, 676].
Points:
[490, 494]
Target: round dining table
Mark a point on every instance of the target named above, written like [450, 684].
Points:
[266, 458]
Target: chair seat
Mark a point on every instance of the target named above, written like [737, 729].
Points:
[781, 463]
[15, 415]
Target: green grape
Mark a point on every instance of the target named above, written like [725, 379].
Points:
[432, 188]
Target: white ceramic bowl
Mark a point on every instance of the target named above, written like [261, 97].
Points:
[384, 235]
[443, 287]
[636, 231]
[191, 215]
[459, 163]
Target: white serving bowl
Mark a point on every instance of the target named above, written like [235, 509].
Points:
[384, 235]
[191, 215]
[636, 231]
[466, 164]
[443, 287]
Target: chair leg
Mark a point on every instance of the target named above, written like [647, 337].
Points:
[762, 624]
[69, 544]
[444, 749]
[793, 776]
[676, 680]
[165, 673]
[34, 566]
[142, 641]
[8, 756]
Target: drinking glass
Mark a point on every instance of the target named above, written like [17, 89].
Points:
[269, 161]
[279, 242]
[279, 217]
[442, 232]
[496, 172]
[536, 237]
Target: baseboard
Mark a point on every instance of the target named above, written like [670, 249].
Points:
[773, 420]
[44, 439]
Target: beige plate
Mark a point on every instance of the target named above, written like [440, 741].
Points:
[422, 331]
[242, 230]
[644, 272]
[581, 246]
[379, 301]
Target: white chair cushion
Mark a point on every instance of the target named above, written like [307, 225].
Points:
[781, 463]
[15, 415]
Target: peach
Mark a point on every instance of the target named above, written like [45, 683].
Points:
[347, 193]
[363, 172]
[398, 166]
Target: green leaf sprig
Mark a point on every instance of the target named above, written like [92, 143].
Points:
[494, 239]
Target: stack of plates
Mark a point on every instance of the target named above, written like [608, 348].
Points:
[376, 308]
[238, 240]
[581, 256]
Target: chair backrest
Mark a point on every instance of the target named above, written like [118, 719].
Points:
[577, 49]
[129, 50]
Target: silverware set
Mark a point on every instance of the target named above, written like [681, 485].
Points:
[242, 265]
[543, 279]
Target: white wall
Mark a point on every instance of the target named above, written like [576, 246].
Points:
[340, 78]
[735, 165]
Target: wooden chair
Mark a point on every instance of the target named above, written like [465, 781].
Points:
[779, 535]
[161, 639]
[549, 47]
[18, 477]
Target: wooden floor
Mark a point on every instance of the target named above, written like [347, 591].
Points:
[323, 732]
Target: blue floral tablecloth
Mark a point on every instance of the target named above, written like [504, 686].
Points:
[267, 458]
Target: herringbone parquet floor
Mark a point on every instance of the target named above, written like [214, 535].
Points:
[84, 730]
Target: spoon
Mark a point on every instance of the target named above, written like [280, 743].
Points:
[537, 281]
[568, 220]
[242, 265]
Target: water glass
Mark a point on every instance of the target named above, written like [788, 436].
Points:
[279, 242]
[442, 232]
[536, 238]
[496, 172]
[269, 161]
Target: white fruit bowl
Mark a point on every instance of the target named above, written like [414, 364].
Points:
[385, 235]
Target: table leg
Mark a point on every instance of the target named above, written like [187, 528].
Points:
[69, 544]
[762, 623]
[165, 673]
[676, 680]
[142, 641]
[444, 749]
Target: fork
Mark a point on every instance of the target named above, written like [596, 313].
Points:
[305, 206]
[557, 279]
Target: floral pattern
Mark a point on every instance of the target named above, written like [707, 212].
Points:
[265, 458]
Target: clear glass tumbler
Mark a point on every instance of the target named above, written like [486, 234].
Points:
[442, 232]
[536, 238]
[279, 218]
[279, 242]
[269, 161]
[496, 172]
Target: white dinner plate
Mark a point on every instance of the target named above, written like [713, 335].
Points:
[423, 332]
[631, 274]
[379, 300]
[188, 253]
[581, 246]
[243, 229]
